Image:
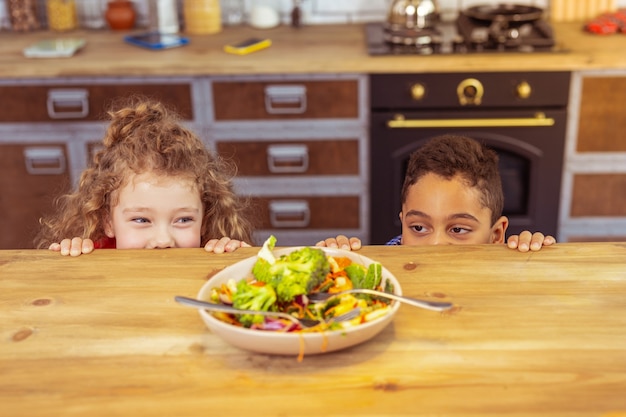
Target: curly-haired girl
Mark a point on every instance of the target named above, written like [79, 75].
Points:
[153, 185]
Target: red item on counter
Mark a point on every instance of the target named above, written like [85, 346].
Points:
[608, 23]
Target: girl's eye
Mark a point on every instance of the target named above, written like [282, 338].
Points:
[140, 220]
[185, 220]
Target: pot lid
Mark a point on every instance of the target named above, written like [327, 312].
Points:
[504, 12]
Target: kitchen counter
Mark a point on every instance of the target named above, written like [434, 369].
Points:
[537, 333]
[310, 49]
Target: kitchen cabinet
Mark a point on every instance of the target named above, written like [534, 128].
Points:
[50, 128]
[594, 180]
[300, 145]
[32, 175]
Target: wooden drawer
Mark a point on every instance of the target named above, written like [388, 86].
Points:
[84, 102]
[279, 100]
[599, 195]
[31, 177]
[320, 212]
[601, 118]
[306, 157]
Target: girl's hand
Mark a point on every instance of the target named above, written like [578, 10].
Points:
[224, 244]
[73, 247]
[526, 241]
[341, 242]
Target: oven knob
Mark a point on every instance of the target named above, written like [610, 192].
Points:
[470, 91]
[523, 90]
[418, 91]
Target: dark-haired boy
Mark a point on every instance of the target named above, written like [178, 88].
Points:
[452, 194]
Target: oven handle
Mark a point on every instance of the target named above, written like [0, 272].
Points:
[540, 119]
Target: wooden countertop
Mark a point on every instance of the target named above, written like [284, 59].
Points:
[310, 49]
[537, 334]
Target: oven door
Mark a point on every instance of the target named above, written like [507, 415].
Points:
[530, 146]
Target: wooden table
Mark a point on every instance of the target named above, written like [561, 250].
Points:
[540, 334]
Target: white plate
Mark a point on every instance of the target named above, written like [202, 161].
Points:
[279, 343]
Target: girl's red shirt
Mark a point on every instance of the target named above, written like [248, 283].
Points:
[105, 243]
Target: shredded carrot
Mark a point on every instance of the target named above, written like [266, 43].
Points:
[324, 341]
[343, 261]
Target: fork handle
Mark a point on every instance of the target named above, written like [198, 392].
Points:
[428, 305]
[193, 302]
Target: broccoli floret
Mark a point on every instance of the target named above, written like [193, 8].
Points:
[369, 278]
[265, 258]
[267, 248]
[253, 297]
[293, 274]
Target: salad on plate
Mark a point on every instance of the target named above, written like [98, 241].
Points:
[284, 283]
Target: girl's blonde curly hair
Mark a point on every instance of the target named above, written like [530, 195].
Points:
[145, 136]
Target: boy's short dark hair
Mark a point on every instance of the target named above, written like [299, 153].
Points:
[451, 155]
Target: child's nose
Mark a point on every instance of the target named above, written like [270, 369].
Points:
[162, 239]
[439, 237]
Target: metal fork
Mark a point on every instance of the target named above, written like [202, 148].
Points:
[305, 323]
[428, 305]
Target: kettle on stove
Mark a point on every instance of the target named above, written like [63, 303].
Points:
[412, 14]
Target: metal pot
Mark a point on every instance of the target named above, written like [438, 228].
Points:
[412, 14]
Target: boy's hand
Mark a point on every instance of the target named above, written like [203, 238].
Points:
[341, 242]
[224, 244]
[73, 247]
[526, 241]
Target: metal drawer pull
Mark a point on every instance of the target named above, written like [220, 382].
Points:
[287, 158]
[68, 103]
[285, 99]
[44, 161]
[540, 119]
[289, 213]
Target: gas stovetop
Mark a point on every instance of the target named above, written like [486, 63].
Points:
[465, 35]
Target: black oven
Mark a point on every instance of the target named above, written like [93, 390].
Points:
[522, 116]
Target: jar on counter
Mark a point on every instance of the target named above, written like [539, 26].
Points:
[120, 15]
[232, 12]
[90, 14]
[23, 15]
[202, 16]
[61, 15]
[265, 14]
[163, 16]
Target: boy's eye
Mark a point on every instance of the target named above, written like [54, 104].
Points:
[418, 228]
[459, 230]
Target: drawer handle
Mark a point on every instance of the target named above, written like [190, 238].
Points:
[287, 158]
[285, 99]
[44, 161]
[68, 103]
[289, 213]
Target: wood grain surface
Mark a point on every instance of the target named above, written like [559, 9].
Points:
[537, 334]
[310, 49]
